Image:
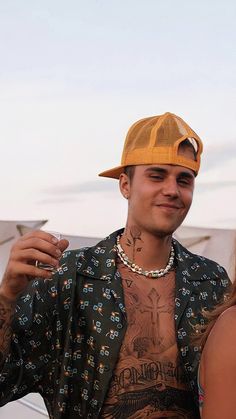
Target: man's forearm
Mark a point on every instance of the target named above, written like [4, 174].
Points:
[7, 308]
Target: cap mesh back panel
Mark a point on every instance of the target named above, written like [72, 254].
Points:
[182, 128]
[167, 134]
[139, 137]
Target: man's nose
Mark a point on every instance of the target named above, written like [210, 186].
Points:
[171, 188]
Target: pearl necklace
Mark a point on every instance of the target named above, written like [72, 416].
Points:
[135, 268]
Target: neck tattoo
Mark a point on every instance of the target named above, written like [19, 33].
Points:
[135, 268]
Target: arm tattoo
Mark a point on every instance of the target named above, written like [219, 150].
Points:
[6, 314]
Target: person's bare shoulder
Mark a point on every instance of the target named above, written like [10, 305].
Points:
[223, 335]
[218, 368]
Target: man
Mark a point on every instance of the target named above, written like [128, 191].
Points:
[109, 334]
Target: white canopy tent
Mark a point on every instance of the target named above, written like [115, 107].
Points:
[214, 243]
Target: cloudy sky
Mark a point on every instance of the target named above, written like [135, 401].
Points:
[74, 76]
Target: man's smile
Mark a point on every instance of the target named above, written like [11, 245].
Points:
[169, 206]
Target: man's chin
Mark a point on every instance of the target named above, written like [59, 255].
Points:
[165, 230]
[161, 233]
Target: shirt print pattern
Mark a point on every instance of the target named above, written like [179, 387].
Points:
[68, 331]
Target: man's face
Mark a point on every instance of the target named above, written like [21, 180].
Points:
[159, 197]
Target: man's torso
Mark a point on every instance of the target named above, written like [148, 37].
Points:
[149, 381]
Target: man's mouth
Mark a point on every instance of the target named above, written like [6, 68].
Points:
[167, 206]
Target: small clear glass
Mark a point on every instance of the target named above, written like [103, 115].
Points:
[47, 266]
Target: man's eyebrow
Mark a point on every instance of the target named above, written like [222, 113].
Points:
[187, 175]
[156, 170]
[161, 170]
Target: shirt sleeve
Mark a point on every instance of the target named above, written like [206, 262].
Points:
[39, 336]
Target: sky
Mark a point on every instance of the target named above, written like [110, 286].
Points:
[75, 75]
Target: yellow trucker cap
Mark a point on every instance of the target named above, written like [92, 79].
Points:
[156, 140]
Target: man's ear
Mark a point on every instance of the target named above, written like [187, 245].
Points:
[124, 183]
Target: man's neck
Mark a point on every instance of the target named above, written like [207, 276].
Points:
[147, 250]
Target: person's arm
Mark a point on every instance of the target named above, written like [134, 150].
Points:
[219, 369]
[7, 308]
[37, 245]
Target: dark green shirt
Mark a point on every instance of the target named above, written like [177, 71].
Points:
[68, 331]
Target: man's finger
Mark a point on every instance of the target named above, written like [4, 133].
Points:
[38, 244]
[16, 270]
[41, 235]
[32, 255]
[63, 244]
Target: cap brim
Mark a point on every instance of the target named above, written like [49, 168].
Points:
[113, 173]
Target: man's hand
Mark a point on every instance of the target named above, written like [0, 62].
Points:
[34, 246]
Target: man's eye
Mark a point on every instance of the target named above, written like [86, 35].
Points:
[158, 177]
[184, 181]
